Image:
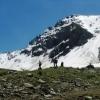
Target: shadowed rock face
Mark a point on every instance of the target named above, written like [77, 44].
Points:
[62, 42]
[72, 36]
[25, 52]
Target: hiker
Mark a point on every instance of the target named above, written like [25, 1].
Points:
[40, 69]
[55, 61]
[40, 65]
[62, 64]
[90, 66]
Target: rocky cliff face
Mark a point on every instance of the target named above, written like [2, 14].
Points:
[61, 43]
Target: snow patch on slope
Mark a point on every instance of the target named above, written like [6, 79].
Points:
[83, 55]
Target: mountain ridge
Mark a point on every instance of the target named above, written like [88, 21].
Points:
[73, 40]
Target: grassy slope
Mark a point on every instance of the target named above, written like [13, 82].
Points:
[68, 84]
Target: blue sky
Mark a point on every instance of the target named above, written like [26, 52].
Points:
[22, 20]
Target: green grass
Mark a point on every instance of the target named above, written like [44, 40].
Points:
[54, 78]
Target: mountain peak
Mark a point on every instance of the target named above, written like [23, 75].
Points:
[73, 40]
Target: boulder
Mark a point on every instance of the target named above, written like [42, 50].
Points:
[88, 98]
[41, 81]
[28, 85]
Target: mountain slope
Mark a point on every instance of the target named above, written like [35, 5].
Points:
[73, 40]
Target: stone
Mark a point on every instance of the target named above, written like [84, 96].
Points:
[29, 74]
[45, 89]
[12, 72]
[52, 92]
[47, 96]
[9, 85]
[28, 85]
[41, 81]
[56, 82]
[4, 79]
[37, 87]
[35, 97]
[87, 97]
[78, 82]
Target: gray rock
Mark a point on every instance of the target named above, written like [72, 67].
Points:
[47, 96]
[25, 92]
[56, 82]
[41, 81]
[9, 85]
[35, 97]
[64, 85]
[88, 98]
[37, 87]
[28, 85]
[78, 82]
[52, 92]
[29, 74]
[4, 79]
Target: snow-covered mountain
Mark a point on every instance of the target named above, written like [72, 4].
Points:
[75, 40]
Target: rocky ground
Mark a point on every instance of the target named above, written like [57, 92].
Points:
[52, 84]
